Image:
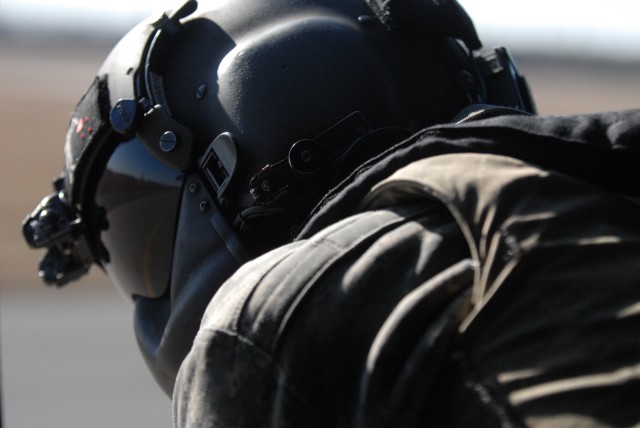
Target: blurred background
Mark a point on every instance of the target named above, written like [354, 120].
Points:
[68, 356]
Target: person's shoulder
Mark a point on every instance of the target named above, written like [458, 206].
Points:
[258, 300]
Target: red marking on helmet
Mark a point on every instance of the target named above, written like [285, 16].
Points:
[80, 125]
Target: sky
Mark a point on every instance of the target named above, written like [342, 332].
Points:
[579, 27]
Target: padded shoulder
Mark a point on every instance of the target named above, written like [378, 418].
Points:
[602, 149]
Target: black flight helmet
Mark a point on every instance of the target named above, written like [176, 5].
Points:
[212, 130]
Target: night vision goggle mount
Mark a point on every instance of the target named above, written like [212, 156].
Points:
[56, 222]
[55, 225]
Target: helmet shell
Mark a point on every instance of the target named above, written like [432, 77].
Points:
[268, 74]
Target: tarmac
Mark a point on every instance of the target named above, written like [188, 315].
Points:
[68, 356]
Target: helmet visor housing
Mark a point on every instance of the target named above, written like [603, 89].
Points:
[125, 197]
[138, 197]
